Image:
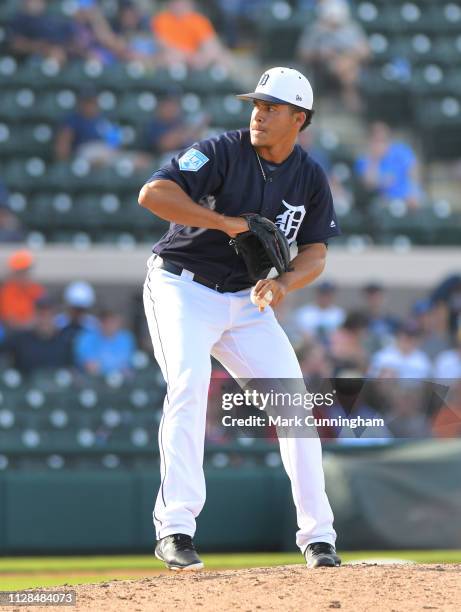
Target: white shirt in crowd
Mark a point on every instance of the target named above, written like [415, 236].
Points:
[312, 319]
[412, 365]
[448, 364]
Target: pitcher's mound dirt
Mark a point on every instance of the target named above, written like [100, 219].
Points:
[350, 588]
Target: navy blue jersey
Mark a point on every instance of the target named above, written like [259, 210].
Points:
[224, 174]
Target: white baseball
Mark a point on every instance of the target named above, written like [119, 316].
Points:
[262, 302]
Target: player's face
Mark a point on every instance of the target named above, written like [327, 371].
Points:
[272, 123]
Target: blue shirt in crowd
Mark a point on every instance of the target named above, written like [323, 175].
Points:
[394, 176]
[112, 353]
[91, 129]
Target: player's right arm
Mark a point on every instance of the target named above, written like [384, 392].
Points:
[168, 201]
[173, 191]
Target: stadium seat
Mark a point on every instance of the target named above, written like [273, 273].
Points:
[440, 125]
[8, 71]
[447, 50]
[135, 108]
[286, 33]
[18, 104]
[420, 228]
[53, 106]
[386, 93]
[433, 79]
[7, 9]
[228, 112]
[28, 174]
[18, 141]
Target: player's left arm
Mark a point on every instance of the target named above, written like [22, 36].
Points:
[306, 267]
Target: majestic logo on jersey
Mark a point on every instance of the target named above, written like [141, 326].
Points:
[263, 81]
[332, 224]
[192, 160]
[289, 221]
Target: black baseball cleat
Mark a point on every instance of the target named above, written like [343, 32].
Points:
[321, 554]
[177, 551]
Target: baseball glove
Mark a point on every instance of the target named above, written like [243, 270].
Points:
[262, 247]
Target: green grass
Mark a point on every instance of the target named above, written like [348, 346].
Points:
[28, 572]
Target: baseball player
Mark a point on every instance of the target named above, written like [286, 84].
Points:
[197, 300]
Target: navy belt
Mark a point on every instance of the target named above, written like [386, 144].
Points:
[174, 269]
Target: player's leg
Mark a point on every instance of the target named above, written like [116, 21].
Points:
[184, 321]
[257, 347]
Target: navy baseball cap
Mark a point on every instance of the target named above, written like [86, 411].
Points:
[373, 287]
[326, 287]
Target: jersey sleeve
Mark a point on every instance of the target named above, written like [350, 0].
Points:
[199, 170]
[320, 222]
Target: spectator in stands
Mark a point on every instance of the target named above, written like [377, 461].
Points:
[237, 17]
[347, 344]
[188, 37]
[336, 46]
[314, 361]
[448, 294]
[448, 363]
[79, 298]
[381, 324]
[108, 349]
[432, 318]
[95, 36]
[42, 346]
[10, 226]
[403, 359]
[132, 26]
[18, 293]
[169, 130]
[342, 194]
[389, 168]
[323, 316]
[33, 32]
[88, 134]
[310, 142]
[407, 415]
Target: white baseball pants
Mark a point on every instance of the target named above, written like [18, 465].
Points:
[187, 323]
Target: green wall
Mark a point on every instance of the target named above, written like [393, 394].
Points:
[405, 496]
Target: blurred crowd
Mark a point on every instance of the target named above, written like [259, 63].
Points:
[174, 33]
[196, 34]
[404, 367]
[39, 331]
[332, 50]
[369, 340]
[373, 340]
